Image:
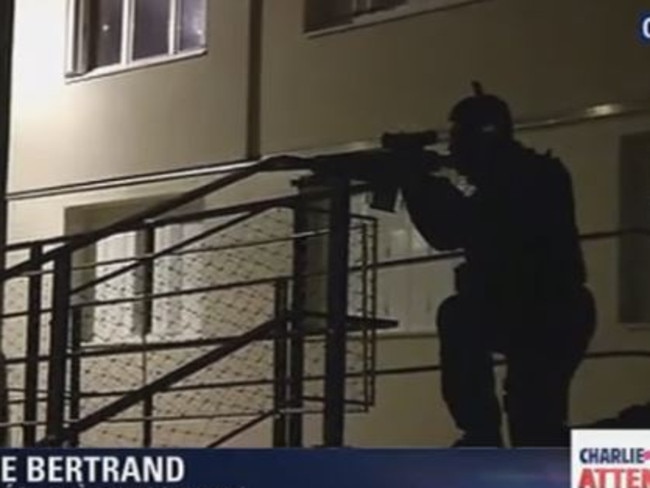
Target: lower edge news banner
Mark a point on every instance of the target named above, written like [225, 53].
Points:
[285, 468]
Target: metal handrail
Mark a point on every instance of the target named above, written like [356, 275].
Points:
[149, 218]
[61, 257]
[438, 257]
[140, 297]
[201, 250]
[128, 223]
[164, 382]
[394, 371]
[241, 429]
[100, 350]
[191, 240]
[252, 206]
[285, 201]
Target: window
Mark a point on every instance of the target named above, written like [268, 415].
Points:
[173, 318]
[110, 35]
[167, 316]
[325, 14]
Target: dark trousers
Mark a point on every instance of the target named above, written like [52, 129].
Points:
[541, 355]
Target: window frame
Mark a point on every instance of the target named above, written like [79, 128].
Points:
[124, 249]
[409, 9]
[77, 63]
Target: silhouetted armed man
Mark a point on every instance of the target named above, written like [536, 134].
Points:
[521, 288]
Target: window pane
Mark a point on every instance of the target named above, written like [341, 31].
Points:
[151, 28]
[192, 24]
[105, 32]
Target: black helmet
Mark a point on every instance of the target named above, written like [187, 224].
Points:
[483, 113]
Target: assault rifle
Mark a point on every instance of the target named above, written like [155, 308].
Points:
[379, 168]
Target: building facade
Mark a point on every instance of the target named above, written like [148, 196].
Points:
[105, 90]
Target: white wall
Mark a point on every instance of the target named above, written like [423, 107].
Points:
[148, 119]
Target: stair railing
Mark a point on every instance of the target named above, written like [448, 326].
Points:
[63, 307]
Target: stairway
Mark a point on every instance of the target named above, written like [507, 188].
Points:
[201, 333]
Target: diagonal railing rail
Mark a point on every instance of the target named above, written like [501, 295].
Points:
[132, 221]
[164, 382]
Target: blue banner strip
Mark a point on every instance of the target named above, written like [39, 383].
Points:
[285, 468]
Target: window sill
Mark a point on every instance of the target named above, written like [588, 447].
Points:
[136, 65]
[397, 13]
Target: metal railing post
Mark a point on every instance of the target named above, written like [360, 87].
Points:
[297, 325]
[59, 333]
[148, 270]
[34, 297]
[75, 369]
[337, 310]
[280, 368]
[366, 314]
[7, 14]
[374, 293]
